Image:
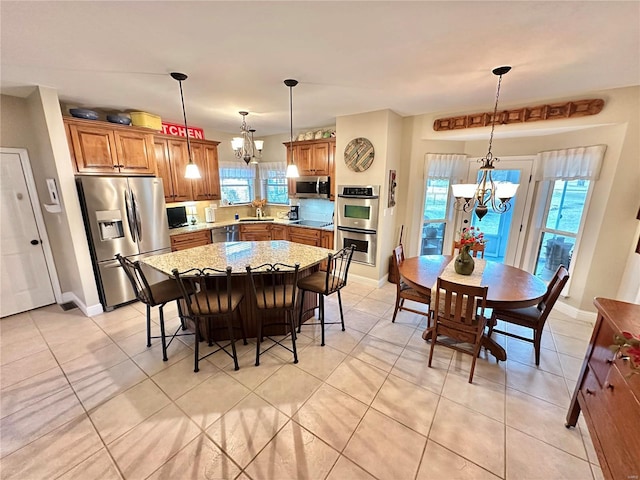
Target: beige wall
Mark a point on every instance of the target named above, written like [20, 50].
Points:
[35, 123]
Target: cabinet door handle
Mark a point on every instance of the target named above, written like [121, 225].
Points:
[609, 361]
[609, 386]
[589, 391]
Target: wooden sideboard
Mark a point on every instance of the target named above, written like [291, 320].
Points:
[609, 395]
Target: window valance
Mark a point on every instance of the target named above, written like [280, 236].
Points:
[236, 170]
[580, 163]
[445, 165]
[272, 169]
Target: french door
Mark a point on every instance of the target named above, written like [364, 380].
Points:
[504, 232]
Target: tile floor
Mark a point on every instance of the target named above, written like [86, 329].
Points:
[83, 398]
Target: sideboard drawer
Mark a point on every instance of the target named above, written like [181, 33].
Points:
[601, 357]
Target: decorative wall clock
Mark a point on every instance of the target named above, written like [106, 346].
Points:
[358, 155]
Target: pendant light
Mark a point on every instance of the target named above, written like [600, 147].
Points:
[192, 170]
[487, 192]
[292, 169]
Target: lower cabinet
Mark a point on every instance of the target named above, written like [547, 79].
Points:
[308, 236]
[183, 241]
[255, 232]
[279, 232]
[326, 239]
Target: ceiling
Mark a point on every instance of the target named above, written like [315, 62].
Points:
[350, 57]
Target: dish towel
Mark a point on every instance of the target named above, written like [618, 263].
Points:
[449, 274]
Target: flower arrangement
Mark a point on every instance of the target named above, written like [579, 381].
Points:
[259, 203]
[628, 345]
[471, 237]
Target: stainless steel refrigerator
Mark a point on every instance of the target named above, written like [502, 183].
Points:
[125, 215]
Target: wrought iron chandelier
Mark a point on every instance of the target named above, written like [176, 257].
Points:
[192, 170]
[487, 192]
[245, 147]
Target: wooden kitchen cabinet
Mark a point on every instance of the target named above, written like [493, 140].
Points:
[206, 157]
[608, 394]
[313, 158]
[172, 157]
[279, 232]
[171, 160]
[107, 148]
[308, 236]
[183, 241]
[326, 239]
[255, 232]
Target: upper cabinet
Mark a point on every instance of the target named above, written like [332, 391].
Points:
[172, 157]
[313, 158]
[108, 148]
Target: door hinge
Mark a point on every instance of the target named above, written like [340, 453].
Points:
[520, 227]
[530, 176]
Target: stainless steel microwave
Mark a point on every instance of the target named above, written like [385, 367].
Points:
[313, 187]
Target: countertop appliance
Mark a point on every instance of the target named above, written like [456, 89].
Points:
[357, 207]
[229, 233]
[294, 212]
[312, 223]
[177, 217]
[313, 187]
[123, 215]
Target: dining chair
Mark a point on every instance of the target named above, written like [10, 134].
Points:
[405, 292]
[533, 317]
[210, 297]
[325, 283]
[154, 295]
[459, 314]
[274, 287]
[477, 249]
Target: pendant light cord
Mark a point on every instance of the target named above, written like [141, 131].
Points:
[493, 120]
[186, 130]
[291, 121]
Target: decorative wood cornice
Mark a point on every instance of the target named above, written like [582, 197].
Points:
[578, 108]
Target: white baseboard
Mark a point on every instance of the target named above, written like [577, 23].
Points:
[370, 282]
[573, 312]
[89, 311]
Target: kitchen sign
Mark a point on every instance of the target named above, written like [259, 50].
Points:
[178, 131]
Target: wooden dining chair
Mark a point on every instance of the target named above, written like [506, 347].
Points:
[154, 295]
[533, 317]
[459, 314]
[477, 249]
[274, 288]
[210, 297]
[405, 292]
[325, 283]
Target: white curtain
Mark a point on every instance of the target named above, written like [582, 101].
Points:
[580, 163]
[272, 170]
[445, 165]
[237, 169]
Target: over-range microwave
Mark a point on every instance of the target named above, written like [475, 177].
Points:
[313, 187]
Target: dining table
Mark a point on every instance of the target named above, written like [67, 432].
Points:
[238, 255]
[509, 287]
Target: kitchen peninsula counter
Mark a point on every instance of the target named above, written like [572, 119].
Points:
[238, 255]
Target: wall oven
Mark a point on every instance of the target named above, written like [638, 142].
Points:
[357, 207]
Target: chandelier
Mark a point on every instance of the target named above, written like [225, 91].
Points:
[245, 147]
[487, 192]
[192, 170]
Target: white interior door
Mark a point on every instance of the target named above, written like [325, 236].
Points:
[504, 232]
[24, 275]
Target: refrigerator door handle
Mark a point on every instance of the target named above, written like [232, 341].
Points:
[130, 215]
[136, 215]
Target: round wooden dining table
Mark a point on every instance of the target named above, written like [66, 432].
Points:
[509, 287]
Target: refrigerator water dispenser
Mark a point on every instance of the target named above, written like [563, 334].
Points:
[110, 224]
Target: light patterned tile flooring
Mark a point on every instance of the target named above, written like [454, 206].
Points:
[83, 398]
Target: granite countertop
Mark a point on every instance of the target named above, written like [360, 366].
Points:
[209, 226]
[238, 255]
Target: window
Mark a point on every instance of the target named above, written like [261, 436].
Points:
[274, 183]
[441, 170]
[565, 209]
[237, 182]
[567, 177]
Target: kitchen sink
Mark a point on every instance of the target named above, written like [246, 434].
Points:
[256, 219]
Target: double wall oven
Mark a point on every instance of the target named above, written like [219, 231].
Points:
[357, 207]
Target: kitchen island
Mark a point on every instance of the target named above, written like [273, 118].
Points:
[238, 255]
